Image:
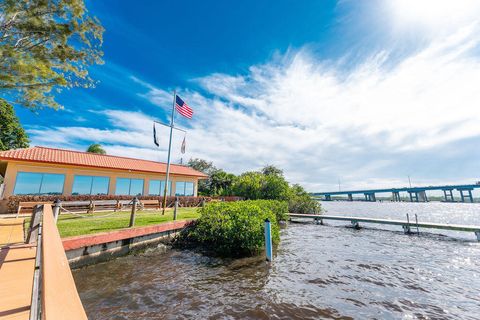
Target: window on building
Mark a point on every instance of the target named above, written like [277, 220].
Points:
[184, 188]
[136, 187]
[156, 187]
[126, 186]
[189, 189]
[180, 188]
[123, 186]
[100, 185]
[90, 185]
[39, 183]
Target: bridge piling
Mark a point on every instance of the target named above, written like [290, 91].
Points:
[413, 196]
[396, 196]
[422, 196]
[463, 196]
[449, 195]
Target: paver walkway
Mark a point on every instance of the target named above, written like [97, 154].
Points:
[17, 264]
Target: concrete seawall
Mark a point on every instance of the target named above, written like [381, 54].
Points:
[95, 248]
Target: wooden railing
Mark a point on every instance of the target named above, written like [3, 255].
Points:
[58, 298]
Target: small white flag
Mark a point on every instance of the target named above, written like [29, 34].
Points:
[183, 145]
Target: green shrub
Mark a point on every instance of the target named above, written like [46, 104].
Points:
[234, 228]
[304, 204]
[279, 208]
[301, 202]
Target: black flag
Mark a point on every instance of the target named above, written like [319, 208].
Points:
[183, 145]
[155, 136]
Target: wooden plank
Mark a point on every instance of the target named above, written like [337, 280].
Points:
[428, 225]
[60, 299]
[11, 231]
[16, 280]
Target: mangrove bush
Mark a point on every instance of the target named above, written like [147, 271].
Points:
[234, 229]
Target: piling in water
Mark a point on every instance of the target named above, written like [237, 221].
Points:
[268, 240]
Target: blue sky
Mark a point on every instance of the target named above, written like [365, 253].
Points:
[365, 92]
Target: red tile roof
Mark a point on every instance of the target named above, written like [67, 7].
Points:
[86, 159]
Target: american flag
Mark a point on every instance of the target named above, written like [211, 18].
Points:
[183, 108]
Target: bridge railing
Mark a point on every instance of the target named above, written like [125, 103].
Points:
[54, 293]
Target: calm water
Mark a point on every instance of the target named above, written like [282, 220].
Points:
[318, 272]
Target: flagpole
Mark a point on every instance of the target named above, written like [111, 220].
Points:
[168, 158]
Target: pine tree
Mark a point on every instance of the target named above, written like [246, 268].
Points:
[46, 46]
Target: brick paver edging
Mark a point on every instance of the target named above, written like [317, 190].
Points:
[76, 242]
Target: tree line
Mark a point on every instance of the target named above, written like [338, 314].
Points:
[268, 183]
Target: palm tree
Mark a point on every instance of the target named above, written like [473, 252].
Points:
[221, 182]
[96, 148]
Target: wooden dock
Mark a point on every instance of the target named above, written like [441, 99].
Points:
[36, 282]
[11, 231]
[17, 265]
[406, 224]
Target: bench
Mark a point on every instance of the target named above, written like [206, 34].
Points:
[92, 206]
[106, 205]
[76, 206]
[150, 204]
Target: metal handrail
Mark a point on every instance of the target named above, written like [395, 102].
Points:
[35, 305]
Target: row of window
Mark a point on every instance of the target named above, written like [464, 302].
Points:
[51, 183]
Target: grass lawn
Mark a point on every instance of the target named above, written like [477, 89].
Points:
[72, 225]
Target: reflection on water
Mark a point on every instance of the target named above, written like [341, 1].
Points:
[318, 272]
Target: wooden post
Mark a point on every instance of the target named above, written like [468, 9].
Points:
[134, 210]
[416, 221]
[406, 227]
[175, 209]
[268, 240]
[355, 224]
[56, 209]
[91, 208]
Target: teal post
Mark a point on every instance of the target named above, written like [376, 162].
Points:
[268, 239]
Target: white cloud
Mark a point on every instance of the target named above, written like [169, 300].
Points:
[305, 115]
[369, 125]
[156, 96]
[435, 17]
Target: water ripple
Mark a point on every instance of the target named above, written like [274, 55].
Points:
[318, 272]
